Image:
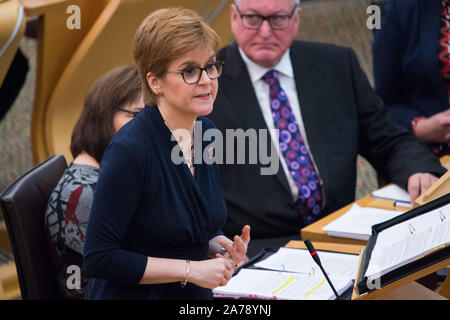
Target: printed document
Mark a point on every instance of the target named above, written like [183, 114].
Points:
[358, 221]
[409, 240]
[300, 261]
[268, 284]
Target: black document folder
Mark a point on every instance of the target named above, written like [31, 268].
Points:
[366, 285]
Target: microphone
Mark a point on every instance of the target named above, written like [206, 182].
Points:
[316, 258]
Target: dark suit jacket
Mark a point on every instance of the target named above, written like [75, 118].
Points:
[342, 117]
[405, 60]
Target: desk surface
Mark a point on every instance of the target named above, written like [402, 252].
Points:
[328, 246]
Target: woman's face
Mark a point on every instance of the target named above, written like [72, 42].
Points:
[122, 117]
[187, 100]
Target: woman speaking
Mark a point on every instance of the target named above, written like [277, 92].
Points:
[155, 227]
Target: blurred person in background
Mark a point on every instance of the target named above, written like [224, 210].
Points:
[114, 99]
[411, 61]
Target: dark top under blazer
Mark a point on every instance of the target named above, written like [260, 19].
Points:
[343, 118]
[405, 60]
[145, 205]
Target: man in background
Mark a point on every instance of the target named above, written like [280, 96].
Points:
[326, 112]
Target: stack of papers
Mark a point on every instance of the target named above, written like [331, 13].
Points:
[266, 284]
[293, 275]
[358, 221]
[300, 261]
[392, 192]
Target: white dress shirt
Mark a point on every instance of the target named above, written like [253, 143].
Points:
[287, 82]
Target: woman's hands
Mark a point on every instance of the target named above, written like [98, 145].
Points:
[211, 273]
[218, 271]
[237, 249]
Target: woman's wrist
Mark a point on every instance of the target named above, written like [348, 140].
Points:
[188, 271]
[165, 270]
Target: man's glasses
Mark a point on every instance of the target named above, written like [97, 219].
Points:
[133, 113]
[192, 75]
[276, 22]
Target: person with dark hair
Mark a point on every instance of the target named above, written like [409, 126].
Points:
[113, 100]
[411, 67]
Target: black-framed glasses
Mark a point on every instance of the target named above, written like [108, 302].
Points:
[276, 22]
[192, 75]
[133, 113]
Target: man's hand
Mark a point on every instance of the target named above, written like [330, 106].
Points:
[418, 183]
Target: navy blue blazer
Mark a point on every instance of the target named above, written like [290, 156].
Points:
[405, 60]
[146, 205]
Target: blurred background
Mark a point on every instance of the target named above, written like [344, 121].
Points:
[341, 22]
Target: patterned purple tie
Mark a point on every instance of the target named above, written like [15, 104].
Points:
[294, 151]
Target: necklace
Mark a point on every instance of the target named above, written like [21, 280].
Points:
[188, 159]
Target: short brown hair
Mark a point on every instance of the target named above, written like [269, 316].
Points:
[165, 35]
[95, 127]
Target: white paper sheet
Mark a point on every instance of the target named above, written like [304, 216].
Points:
[358, 221]
[392, 192]
[300, 261]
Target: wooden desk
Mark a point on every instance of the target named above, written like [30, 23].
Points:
[445, 161]
[314, 231]
[9, 284]
[410, 291]
[4, 239]
[12, 28]
[328, 246]
[407, 289]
